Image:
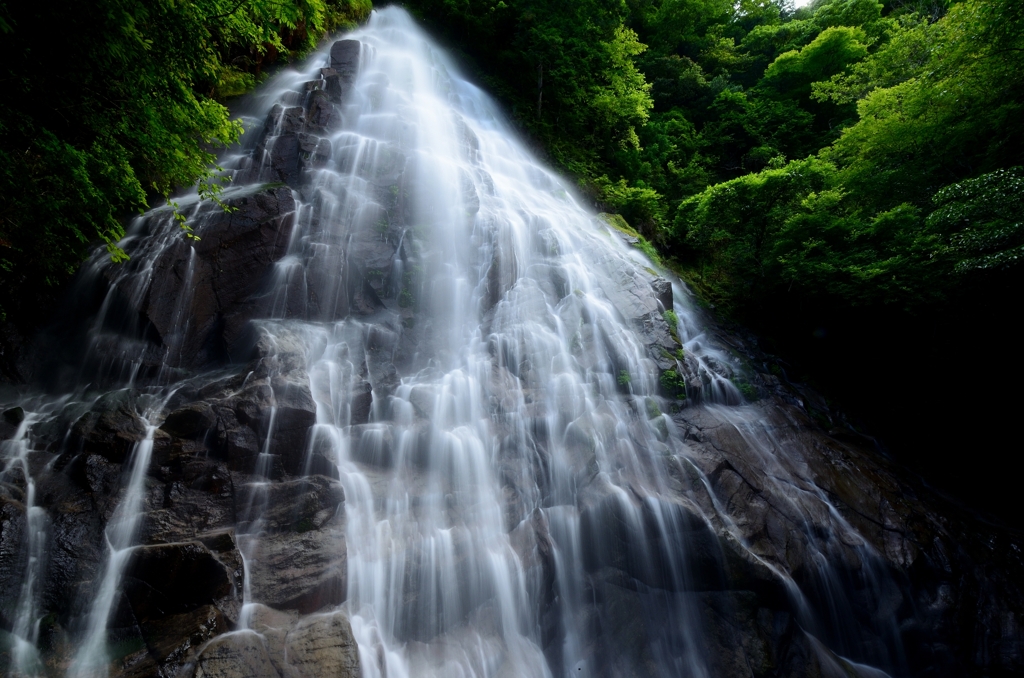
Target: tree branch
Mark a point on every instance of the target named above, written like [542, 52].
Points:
[233, 10]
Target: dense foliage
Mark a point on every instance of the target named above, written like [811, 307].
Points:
[765, 148]
[109, 105]
[845, 178]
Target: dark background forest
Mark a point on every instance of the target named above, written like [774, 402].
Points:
[844, 180]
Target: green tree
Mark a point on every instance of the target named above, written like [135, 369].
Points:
[110, 105]
[984, 218]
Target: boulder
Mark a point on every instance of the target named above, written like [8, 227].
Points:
[319, 465]
[345, 63]
[294, 416]
[236, 252]
[662, 289]
[197, 497]
[361, 403]
[173, 641]
[110, 429]
[321, 118]
[284, 159]
[242, 447]
[95, 474]
[242, 654]
[296, 505]
[323, 645]
[285, 120]
[77, 549]
[168, 579]
[274, 626]
[10, 421]
[190, 421]
[303, 571]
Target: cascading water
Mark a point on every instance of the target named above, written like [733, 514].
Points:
[121, 532]
[25, 634]
[478, 428]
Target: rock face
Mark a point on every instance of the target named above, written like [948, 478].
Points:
[168, 579]
[687, 507]
[214, 287]
[280, 647]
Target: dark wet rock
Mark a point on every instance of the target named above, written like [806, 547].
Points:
[315, 151]
[361, 403]
[233, 257]
[284, 159]
[652, 529]
[12, 542]
[785, 529]
[423, 397]
[7, 430]
[303, 571]
[363, 298]
[323, 645]
[639, 296]
[111, 429]
[532, 541]
[345, 62]
[285, 120]
[332, 84]
[136, 664]
[281, 645]
[294, 415]
[322, 116]
[327, 274]
[197, 497]
[298, 505]
[501, 276]
[95, 474]
[367, 251]
[14, 416]
[173, 641]
[76, 549]
[237, 655]
[168, 579]
[662, 289]
[238, 442]
[190, 421]
[274, 626]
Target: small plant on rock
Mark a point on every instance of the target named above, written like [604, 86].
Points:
[747, 389]
[674, 384]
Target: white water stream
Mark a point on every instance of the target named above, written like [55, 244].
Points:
[25, 633]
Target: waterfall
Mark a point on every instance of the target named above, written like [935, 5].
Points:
[25, 633]
[420, 391]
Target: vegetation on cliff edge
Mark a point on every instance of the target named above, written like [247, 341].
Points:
[108, 106]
